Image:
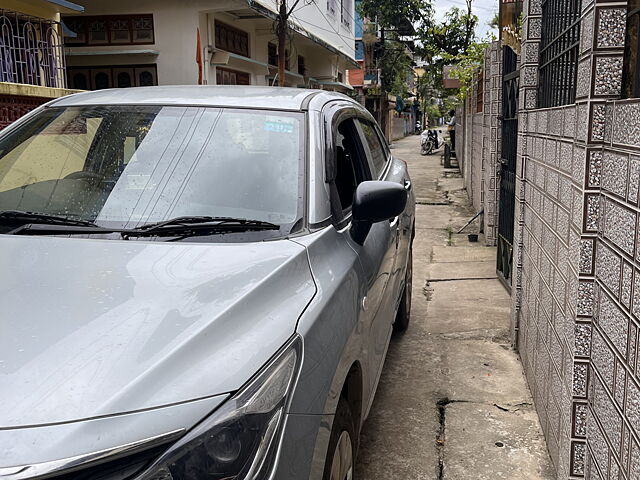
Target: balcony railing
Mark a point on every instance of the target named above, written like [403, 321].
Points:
[31, 50]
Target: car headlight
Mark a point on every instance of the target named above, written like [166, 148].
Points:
[240, 440]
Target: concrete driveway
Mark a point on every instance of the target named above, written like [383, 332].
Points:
[452, 401]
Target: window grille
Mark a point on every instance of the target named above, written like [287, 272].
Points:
[31, 50]
[231, 39]
[123, 76]
[331, 7]
[559, 52]
[110, 30]
[631, 74]
[345, 15]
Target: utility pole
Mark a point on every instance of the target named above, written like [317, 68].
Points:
[468, 26]
[282, 30]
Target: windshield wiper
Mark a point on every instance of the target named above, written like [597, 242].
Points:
[43, 218]
[194, 225]
[179, 226]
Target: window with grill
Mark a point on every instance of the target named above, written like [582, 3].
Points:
[231, 39]
[226, 76]
[110, 30]
[272, 56]
[559, 52]
[331, 7]
[31, 50]
[123, 76]
[631, 75]
[345, 14]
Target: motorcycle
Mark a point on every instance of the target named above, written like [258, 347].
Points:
[430, 141]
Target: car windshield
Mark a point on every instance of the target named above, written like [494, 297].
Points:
[127, 166]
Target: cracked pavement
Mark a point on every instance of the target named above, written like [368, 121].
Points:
[452, 402]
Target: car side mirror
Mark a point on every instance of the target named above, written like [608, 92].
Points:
[373, 202]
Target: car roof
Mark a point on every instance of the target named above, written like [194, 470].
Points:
[278, 98]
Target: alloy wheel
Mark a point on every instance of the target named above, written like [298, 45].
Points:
[342, 465]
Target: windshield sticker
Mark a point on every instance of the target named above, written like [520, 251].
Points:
[278, 127]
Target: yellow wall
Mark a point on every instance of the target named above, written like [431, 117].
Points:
[20, 89]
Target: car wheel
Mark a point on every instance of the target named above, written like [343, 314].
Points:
[341, 453]
[404, 311]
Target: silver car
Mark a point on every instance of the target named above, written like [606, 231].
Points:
[196, 283]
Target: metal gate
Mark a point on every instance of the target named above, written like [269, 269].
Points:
[510, 92]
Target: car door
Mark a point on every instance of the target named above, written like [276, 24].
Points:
[379, 165]
[349, 168]
[381, 160]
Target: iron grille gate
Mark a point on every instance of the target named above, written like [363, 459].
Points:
[510, 92]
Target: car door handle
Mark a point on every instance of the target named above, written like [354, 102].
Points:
[407, 185]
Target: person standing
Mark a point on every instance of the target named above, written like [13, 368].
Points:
[452, 129]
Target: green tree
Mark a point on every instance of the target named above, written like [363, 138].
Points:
[395, 65]
[451, 37]
[495, 22]
[400, 16]
[454, 42]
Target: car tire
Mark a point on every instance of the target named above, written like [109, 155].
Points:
[404, 310]
[341, 454]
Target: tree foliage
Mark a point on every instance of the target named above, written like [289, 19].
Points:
[396, 14]
[452, 41]
[396, 65]
[466, 66]
[451, 37]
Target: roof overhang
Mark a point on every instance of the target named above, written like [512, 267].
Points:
[265, 12]
[331, 84]
[98, 53]
[227, 59]
[60, 6]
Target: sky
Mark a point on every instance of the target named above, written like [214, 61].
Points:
[484, 9]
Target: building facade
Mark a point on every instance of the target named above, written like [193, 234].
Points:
[164, 42]
[32, 63]
[575, 274]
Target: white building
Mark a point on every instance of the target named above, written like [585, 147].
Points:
[122, 43]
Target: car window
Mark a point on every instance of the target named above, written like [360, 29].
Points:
[383, 140]
[59, 150]
[376, 152]
[351, 166]
[127, 165]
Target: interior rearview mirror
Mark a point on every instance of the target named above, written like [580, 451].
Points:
[374, 202]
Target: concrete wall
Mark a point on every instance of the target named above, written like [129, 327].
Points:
[478, 142]
[576, 294]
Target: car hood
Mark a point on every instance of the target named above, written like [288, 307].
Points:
[92, 328]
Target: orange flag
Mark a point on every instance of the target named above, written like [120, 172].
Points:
[199, 57]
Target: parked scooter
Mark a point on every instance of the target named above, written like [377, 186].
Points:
[430, 141]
